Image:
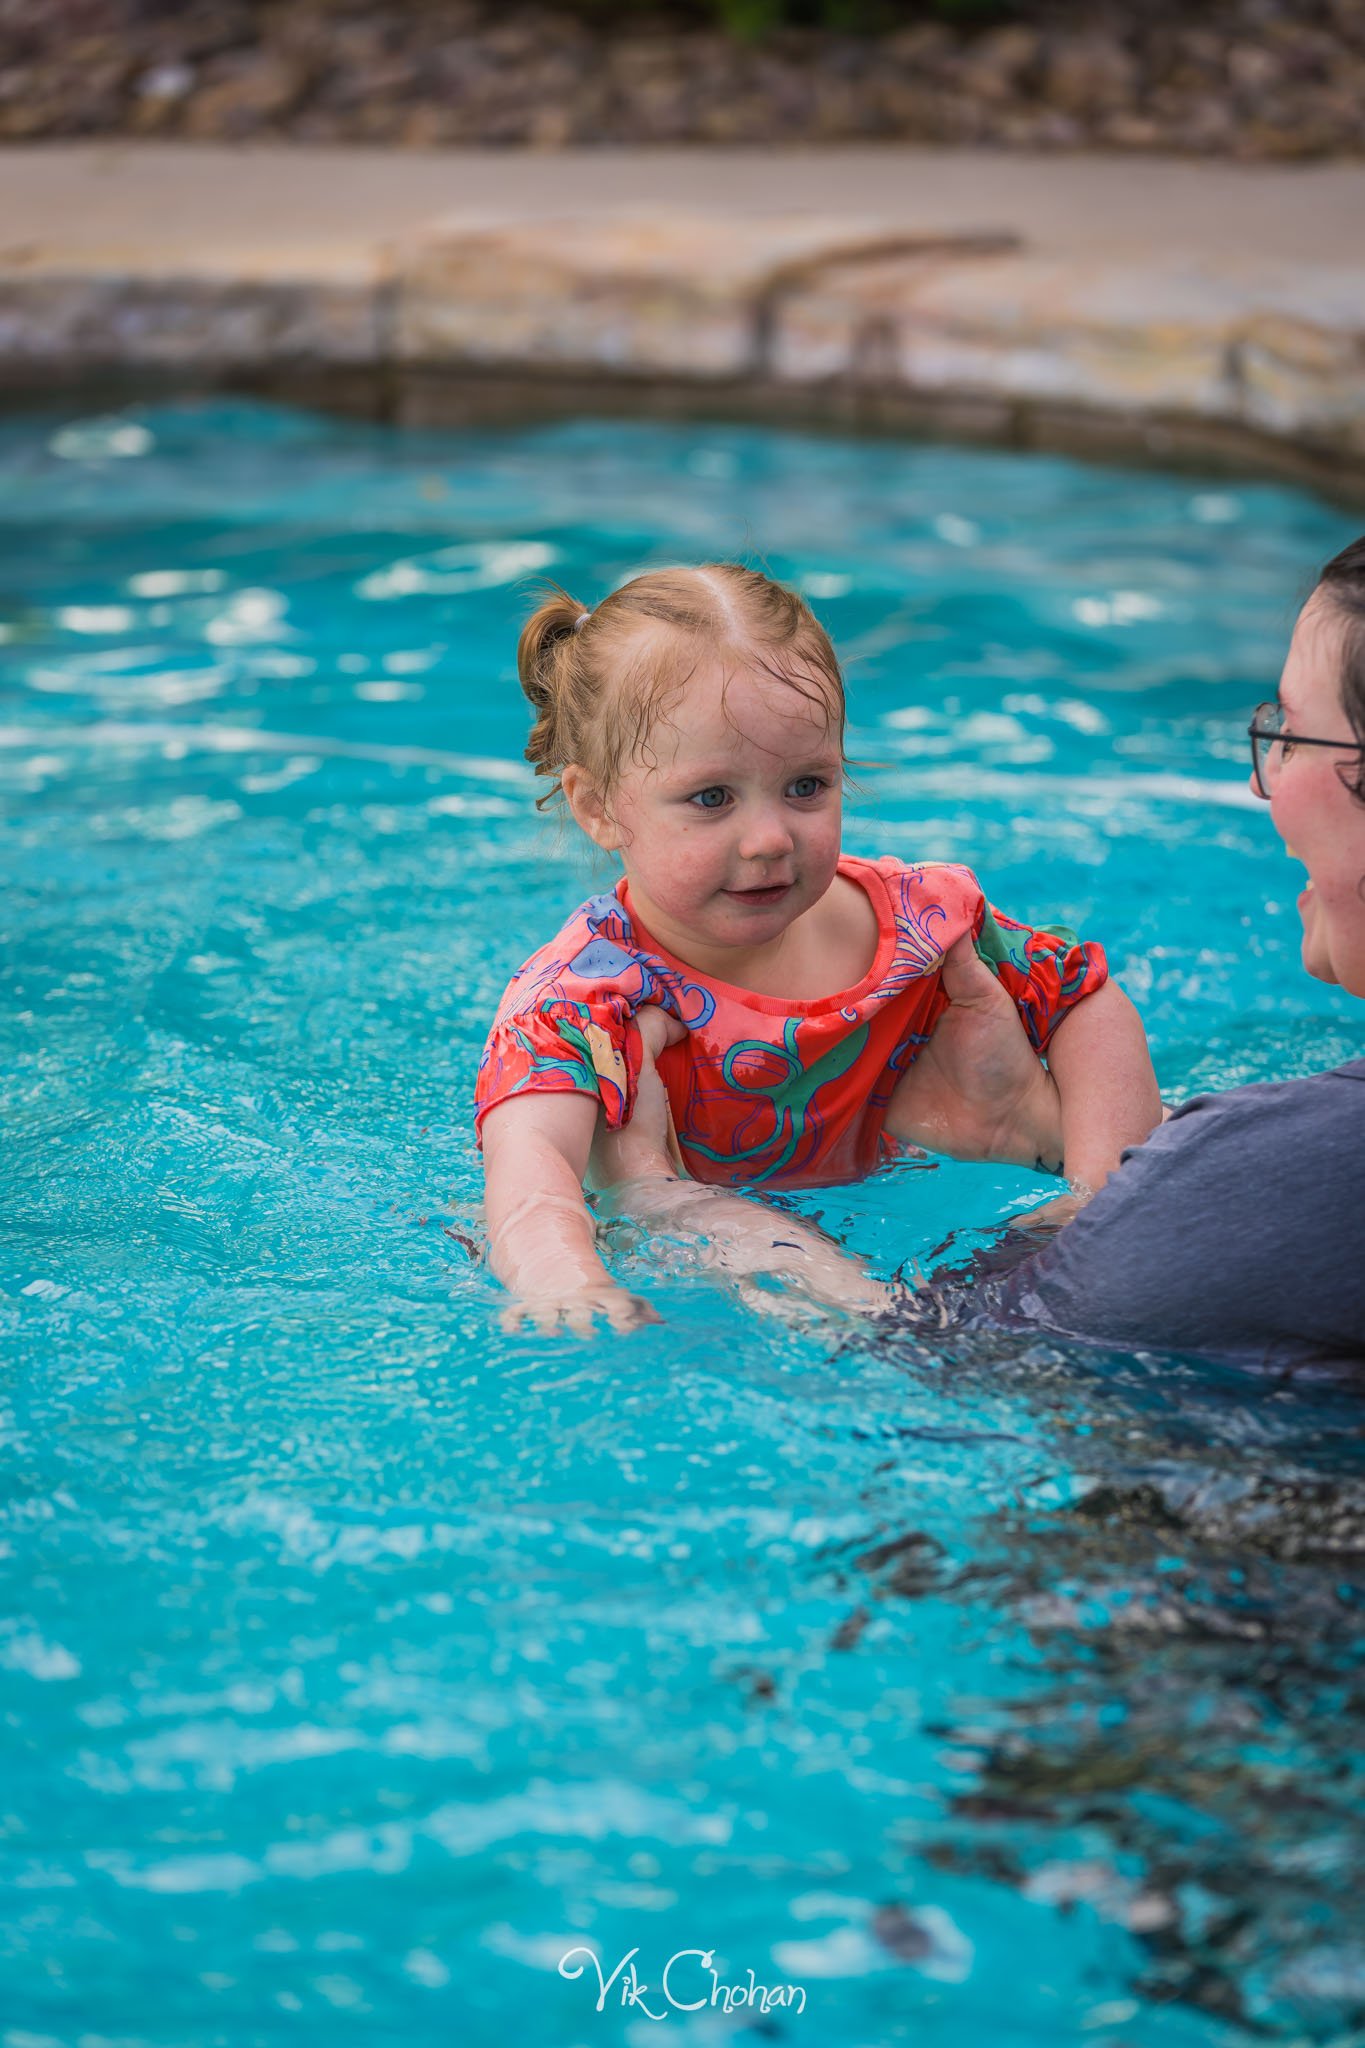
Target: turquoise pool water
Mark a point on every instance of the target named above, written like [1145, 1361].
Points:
[357, 1661]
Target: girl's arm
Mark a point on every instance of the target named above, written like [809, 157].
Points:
[979, 1091]
[541, 1239]
[1099, 1060]
[735, 1235]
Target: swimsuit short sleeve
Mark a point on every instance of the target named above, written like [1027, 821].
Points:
[566, 1023]
[565, 1046]
[1047, 970]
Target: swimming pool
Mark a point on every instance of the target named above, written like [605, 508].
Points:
[360, 1662]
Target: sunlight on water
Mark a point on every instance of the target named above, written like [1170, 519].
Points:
[358, 1661]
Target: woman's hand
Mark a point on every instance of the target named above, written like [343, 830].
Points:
[978, 1090]
[640, 1149]
[785, 1268]
[1049, 1217]
[776, 1262]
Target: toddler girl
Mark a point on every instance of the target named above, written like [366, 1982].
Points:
[694, 725]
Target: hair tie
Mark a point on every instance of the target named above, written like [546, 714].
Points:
[581, 621]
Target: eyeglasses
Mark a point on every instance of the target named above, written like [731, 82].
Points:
[1266, 730]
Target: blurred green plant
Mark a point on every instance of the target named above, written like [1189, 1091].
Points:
[751, 19]
[759, 17]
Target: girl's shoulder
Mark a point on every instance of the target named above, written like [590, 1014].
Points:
[914, 885]
[598, 958]
[923, 907]
[594, 945]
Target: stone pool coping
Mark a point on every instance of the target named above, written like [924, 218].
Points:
[1188, 313]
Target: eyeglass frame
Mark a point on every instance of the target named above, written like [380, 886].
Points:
[1257, 733]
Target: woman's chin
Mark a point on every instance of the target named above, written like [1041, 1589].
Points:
[1317, 957]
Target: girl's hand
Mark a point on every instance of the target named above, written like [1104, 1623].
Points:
[1103, 1070]
[542, 1242]
[978, 1090]
[576, 1312]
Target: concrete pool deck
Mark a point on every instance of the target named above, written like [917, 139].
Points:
[1177, 311]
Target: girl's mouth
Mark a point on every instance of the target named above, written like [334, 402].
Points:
[760, 897]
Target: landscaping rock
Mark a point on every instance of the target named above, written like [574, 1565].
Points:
[1248, 78]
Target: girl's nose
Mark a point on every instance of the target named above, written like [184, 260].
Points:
[765, 837]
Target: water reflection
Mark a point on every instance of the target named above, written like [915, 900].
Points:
[1190, 1768]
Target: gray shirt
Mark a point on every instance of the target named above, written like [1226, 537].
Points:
[1238, 1228]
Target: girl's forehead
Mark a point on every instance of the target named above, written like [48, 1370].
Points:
[733, 710]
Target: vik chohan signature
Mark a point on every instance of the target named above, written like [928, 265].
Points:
[689, 1984]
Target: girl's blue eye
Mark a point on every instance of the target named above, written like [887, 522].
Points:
[807, 785]
[709, 799]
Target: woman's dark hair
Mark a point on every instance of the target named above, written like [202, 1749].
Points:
[1343, 580]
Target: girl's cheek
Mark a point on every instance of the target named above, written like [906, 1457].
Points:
[689, 860]
[828, 834]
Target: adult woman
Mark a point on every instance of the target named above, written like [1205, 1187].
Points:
[1239, 1225]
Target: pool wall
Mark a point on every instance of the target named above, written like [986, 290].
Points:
[915, 301]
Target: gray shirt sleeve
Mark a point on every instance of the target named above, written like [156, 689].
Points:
[1238, 1228]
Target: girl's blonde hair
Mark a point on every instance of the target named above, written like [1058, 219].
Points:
[597, 680]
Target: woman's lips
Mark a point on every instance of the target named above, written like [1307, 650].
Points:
[1307, 889]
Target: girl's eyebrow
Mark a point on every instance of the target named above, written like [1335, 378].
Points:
[692, 777]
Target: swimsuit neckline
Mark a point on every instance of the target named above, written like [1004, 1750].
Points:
[864, 873]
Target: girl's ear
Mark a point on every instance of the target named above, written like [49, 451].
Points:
[589, 807]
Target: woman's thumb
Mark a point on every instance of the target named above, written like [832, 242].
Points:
[966, 977]
[658, 1028]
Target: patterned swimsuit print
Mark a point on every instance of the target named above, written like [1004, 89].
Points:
[763, 1089]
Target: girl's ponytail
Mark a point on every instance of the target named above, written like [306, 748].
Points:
[545, 665]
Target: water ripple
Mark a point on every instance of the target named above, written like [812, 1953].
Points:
[362, 1659]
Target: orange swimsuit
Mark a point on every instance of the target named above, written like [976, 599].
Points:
[764, 1088]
